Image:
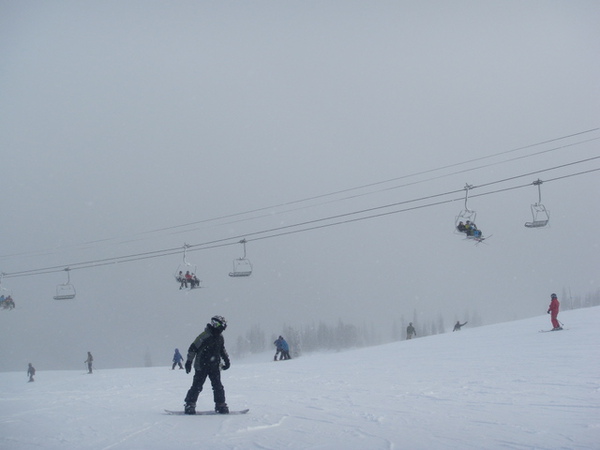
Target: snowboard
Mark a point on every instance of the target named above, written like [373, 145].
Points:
[206, 413]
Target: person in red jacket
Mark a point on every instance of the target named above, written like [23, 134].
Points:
[553, 311]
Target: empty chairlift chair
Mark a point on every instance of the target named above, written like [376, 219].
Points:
[242, 267]
[65, 291]
[540, 216]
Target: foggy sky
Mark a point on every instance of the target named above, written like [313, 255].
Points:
[121, 123]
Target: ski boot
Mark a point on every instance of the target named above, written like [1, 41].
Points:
[222, 408]
[190, 408]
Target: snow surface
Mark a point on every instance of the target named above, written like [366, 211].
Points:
[504, 386]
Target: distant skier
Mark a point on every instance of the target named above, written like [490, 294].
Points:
[31, 372]
[553, 311]
[177, 358]
[458, 325]
[208, 349]
[89, 361]
[410, 331]
[283, 348]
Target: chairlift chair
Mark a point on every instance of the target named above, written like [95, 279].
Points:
[242, 267]
[65, 291]
[540, 216]
[185, 267]
[466, 214]
[4, 292]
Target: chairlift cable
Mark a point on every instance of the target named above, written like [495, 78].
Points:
[278, 231]
[280, 205]
[211, 244]
[341, 191]
[316, 197]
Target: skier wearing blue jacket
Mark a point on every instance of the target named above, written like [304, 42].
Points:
[177, 358]
[283, 348]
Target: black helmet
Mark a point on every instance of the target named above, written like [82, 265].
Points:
[553, 296]
[218, 322]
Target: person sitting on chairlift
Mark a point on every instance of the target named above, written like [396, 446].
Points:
[182, 280]
[472, 230]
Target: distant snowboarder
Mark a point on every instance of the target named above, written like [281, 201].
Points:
[553, 311]
[458, 325]
[31, 372]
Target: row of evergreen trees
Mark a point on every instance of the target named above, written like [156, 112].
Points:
[340, 336]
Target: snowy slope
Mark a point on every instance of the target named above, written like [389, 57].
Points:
[501, 386]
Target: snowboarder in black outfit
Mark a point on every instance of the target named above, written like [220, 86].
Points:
[208, 349]
[458, 325]
[31, 372]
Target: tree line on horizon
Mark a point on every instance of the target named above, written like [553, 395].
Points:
[339, 336]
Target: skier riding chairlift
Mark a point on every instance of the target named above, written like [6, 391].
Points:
[465, 221]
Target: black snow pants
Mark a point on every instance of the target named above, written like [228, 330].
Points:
[214, 373]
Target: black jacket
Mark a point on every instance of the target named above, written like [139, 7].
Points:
[208, 349]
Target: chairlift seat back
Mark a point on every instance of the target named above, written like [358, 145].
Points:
[241, 268]
[65, 292]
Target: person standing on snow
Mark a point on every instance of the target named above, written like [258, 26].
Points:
[177, 358]
[410, 331]
[89, 361]
[458, 325]
[553, 311]
[31, 372]
[208, 349]
[285, 349]
[282, 348]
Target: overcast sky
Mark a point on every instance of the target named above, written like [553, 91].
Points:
[132, 127]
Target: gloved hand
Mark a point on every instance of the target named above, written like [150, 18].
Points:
[548, 312]
[226, 365]
[188, 366]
